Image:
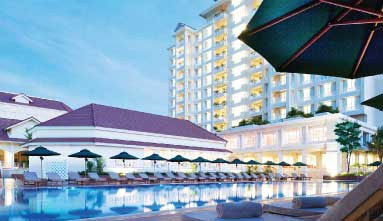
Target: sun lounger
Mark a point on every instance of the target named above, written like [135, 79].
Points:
[199, 178]
[114, 177]
[30, 178]
[278, 177]
[240, 177]
[294, 176]
[182, 175]
[74, 177]
[247, 176]
[285, 176]
[270, 177]
[304, 177]
[364, 202]
[232, 176]
[254, 176]
[207, 177]
[147, 178]
[173, 177]
[133, 178]
[95, 178]
[213, 175]
[54, 178]
[262, 177]
[223, 177]
[161, 177]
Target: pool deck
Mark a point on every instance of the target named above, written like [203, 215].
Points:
[177, 215]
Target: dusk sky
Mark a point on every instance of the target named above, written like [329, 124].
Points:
[80, 52]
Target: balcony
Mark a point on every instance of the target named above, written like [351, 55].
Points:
[220, 44]
[256, 63]
[220, 126]
[220, 23]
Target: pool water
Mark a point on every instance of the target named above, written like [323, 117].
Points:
[66, 203]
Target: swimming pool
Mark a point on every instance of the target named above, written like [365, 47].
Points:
[65, 203]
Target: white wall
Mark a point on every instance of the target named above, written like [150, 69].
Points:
[22, 112]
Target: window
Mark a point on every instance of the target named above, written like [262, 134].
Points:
[238, 84]
[269, 139]
[231, 142]
[239, 14]
[306, 94]
[238, 29]
[237, 70]
[236, 44]
[350, 103]
[207, 44]
[249, 140]
[327, 90]
[208, 80]
[237, 111]
[207, 56]
[307, 109]
[291, 136]
[350, 84]
[207, 68]
[318, 134]
[237, 57]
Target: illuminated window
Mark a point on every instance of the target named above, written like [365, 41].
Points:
[249, 140]
[291, 136]
[327, 89]
[231, 142]
[350, 103]
[208, 31]
[269, 139]
[237, 97]
[350, 84]
[237, 84]
[237, 111]
[306, 94]
[237, 57]
[239, 13]
[318, 134]
[236, 44]
[307, 109]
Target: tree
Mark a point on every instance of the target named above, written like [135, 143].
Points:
[28, 134]
[349, 138]
[376, 144]
[297, 113]
[100, 164]
[326, 109]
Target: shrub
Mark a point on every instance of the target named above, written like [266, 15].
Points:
[326, 109]
[89, 166]
[100, 164]
[297, 113]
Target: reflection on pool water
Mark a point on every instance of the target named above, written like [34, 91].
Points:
[64, 203]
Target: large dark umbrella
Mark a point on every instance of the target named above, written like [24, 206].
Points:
[375, 102]
[340, 38]
[124, 156]
[270, 163]
[200, 160]
[253, 162]
[86, 154]
[284, 164]
[236, 162]
[299, 164]
[179, 159]
[219, 161]
[154, 157]
[41, 152]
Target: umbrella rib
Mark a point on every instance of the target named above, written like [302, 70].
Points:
[316, 37]
[282, 18]
[353, 7]
[363, 51]
[358, 22]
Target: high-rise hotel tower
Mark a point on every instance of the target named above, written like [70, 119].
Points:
[216, 81]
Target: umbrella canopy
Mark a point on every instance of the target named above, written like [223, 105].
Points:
[124, 156]
[299, 164]
[219, 160]
[40, 152]
[284, 164]
[200, 160]
[375, 164]
[154, 157]
[179, 159]
[84, 153]
[270, 163]
[375, 102]
[340, 38]
[253, 162]
[237, 161]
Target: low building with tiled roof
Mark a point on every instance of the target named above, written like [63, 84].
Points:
[18, 113]
[108, 131]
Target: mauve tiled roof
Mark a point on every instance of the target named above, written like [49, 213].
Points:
[37, 102]
[4, 123]
[118, 118]
[122, 142]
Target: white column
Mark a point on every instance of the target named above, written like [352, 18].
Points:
[304, 160]
[280, 159]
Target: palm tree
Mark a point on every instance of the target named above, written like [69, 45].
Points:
[376, 144]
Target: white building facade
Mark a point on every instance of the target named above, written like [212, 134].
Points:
[216, 81]
[18, 114]
[308, 140]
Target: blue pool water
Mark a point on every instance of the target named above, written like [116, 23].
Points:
[66, 203]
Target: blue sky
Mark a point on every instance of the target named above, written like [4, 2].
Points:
[109, 52]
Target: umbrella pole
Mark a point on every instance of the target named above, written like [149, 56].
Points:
[41, 166]
[86, 172]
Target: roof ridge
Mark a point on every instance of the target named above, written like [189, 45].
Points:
[93, 115]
